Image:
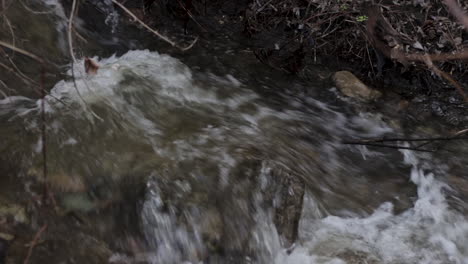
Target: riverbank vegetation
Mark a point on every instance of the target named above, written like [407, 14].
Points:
[414, 49]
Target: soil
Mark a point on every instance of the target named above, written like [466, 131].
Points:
[296, 37]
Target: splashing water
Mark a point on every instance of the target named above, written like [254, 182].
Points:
[430, 232]
[214, 154]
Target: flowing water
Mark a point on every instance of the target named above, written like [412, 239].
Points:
[220, 163]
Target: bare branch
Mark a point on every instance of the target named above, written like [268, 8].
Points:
[34, 243]
[444, 75]
[403, 57]
[457, 12]
[36, 12]
[72, 55]
[461, 132]
[380, 142]
[24, 52]
[70, 39]
[159, 35]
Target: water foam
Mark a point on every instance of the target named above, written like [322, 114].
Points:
[428, 233]
[144, 90]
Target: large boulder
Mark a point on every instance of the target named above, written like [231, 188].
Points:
[351, 86]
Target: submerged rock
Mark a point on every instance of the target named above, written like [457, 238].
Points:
[211, 228]
[289, 208]
[357, 257]
[351, 86]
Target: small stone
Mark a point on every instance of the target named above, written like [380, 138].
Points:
[212, 227]
[6, 237]
[351, 86]
[15, 211]
[357, 257]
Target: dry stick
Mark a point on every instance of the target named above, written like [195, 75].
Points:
[436, 70]
[79, 35]
[386, 146]
[24, 52]
[381, 140]
[190, 15]
[159, 35]
[30, 82]
[395, 53]
[36, 12]
[10, 27]
[44, 153]
[461, 132]
[6, 87]
[457, 12]
[373, 141]
[16, 69]
[33, 243]
[70, 40]
[4, 7]
[44, 142]
[15, 73]
[72, 54]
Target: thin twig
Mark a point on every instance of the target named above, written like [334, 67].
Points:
[381, 140]
[15, 73]
[159, 35]
[72, 55]
[36, 12]
[426, 141]
[190, 15]
[70, 40]
[24, 52]
[29, 82]
[34, 242]
[461, 132]
[445, 75]
[403, 57]
[17, 70]
[10, 27]
[386, 146]
[457, 12]
[6, 87]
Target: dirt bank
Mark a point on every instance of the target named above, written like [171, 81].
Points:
[296, 36]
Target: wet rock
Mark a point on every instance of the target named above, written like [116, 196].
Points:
[78, 202]
[212, 228]
[60, 180]
[351, 86]
[357, 257]
[288, 211]
[6, 237]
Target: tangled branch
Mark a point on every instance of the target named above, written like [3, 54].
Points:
[159, 35]
[396, 53]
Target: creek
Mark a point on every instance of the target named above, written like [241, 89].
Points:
[231, 162]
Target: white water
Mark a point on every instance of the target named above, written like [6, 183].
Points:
[428, 233]
[144, 96]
